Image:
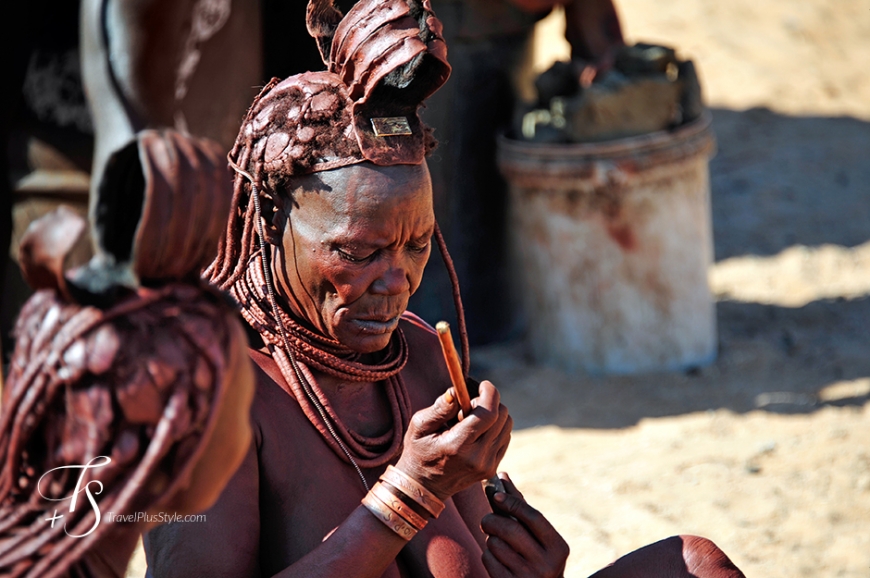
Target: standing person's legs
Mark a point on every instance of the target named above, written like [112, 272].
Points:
[480, 198]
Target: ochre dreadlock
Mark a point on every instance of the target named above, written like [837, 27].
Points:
[137, 383]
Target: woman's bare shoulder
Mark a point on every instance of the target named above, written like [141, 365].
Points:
[275, 414]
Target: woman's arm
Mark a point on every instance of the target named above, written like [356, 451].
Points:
[227, 542]
[444, 459]
[473, 506]
[361, 547]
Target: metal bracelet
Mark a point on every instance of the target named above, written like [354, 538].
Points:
[390, 519]
[414, 490]
[398, 506]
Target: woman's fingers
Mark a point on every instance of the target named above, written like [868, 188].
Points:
[512, 533]
[527, 557]
[494, 568]
[497, 439]
[512, 546]
[530, 534]
[433, 418]
[487, 396]
[486, 404]
[484, 412]
[529, 517]
[486, 417]
[510, 486]
[503, 446]
[506, 555]
[449, 456]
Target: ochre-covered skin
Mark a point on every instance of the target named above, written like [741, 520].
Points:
[292, 491]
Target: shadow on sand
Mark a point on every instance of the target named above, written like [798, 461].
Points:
[776, 181]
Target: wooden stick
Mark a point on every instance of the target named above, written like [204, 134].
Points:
[453, 366]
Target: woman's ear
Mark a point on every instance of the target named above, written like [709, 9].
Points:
[274, 217]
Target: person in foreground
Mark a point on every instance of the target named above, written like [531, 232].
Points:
[130, 386]
[360, 466]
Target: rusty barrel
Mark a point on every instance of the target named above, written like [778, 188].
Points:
[611, 244]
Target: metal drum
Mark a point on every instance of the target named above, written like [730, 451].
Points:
[612, 242]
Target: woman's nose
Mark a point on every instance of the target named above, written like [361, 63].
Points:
[394, 281]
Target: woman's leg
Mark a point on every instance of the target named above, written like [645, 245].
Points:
[674, 557]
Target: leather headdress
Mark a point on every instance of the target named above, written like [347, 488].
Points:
[384, 58]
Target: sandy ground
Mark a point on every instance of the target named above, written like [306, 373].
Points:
[767, 451]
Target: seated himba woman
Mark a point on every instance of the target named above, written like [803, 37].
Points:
[331, 227]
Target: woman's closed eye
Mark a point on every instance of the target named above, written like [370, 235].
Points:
[417, 247]
[354, 257]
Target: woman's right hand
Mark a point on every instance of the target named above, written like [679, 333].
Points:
[447, 458]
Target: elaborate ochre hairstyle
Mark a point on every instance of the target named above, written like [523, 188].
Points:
[131, 379]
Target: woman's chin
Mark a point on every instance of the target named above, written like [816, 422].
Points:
[366, 342]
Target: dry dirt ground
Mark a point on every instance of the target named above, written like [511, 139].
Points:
[766, 451]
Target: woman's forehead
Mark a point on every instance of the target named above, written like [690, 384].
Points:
[369, 201]
[367, 187]
[370, 176]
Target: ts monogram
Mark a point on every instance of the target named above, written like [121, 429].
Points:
[96, 462]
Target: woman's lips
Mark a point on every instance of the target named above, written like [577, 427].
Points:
[376, 325]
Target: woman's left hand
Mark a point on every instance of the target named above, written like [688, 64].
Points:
[520, 542]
